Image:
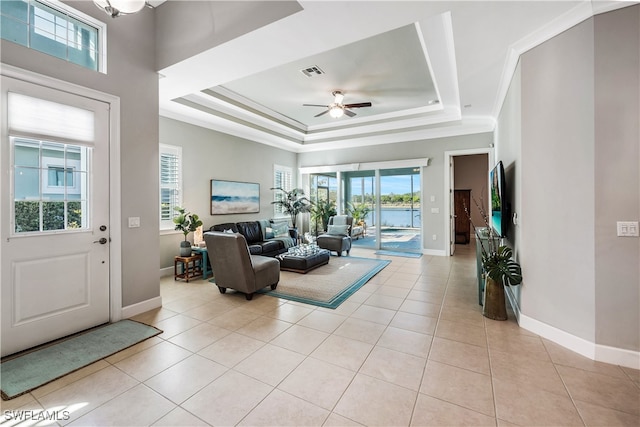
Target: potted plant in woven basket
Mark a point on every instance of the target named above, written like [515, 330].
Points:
[186, 222]
[500, 270]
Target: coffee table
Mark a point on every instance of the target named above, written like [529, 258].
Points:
[303, 263]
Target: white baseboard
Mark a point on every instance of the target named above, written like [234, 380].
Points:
[600, 353]
[141, 307]
[434, 252]
[167, 271]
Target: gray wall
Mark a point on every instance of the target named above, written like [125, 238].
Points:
[132, 77]
[207, 155]
[617, 176]
[433, 176]
[569, 125]
[508, 143]
[186, 28]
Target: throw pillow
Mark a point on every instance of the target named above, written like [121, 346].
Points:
[269, 234]
[281, 229]
[338, 229]
[228, 231]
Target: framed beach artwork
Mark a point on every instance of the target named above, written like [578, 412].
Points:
[232, 197]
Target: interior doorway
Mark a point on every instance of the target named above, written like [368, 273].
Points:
[468, 174]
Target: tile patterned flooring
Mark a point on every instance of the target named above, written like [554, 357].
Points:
[409, 348]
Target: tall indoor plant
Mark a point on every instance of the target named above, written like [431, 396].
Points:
[499, 268]
[293, 203]
[358, 212]
[321, 212]
[186, 222]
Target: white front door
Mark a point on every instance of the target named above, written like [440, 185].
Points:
[54, 215]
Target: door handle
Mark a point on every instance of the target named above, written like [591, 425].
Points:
[102, 241]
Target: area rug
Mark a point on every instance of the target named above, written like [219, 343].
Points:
[31, 370]
[399, 253]
[330, 285]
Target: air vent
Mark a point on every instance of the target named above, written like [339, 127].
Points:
[312, 71]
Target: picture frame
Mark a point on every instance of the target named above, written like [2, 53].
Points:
[234, 197]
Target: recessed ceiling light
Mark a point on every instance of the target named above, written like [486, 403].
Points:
[434, 101]
[467, 106]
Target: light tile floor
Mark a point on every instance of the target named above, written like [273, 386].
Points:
[410, 348]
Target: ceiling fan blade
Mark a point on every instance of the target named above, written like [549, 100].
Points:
[324, 112]
[349, 113]
[315, 105]
[358, 105]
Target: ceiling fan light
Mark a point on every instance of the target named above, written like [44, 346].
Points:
[336, 111]
[338, 97]
[115, 8]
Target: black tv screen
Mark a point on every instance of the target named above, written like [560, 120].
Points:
[499, 215]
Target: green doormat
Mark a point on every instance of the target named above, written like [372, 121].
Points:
[34, 369]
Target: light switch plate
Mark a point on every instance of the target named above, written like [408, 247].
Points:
[134, 221]
[435, 210]
[627, 228]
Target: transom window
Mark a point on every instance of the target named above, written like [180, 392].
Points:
[54, 28]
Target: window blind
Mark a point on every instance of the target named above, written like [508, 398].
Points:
[170, 184]
[44, 119]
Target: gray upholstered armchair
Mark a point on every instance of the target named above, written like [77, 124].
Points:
[233, 266]
[338, 235]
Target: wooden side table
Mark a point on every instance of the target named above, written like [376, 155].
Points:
[190, 267]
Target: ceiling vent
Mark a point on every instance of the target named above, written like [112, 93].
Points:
[312, 71]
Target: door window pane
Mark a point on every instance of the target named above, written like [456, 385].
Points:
[52, 194]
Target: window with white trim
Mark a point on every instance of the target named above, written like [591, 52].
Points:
[170, 184]
[54, 28]
[282, 178]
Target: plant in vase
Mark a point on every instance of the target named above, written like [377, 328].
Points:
[358, 212]
[499, 267]
[186, 222]
[321, 212]
[293, 203]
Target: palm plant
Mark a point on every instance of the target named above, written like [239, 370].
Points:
[322, 211]
[358, 212]
[293, 203]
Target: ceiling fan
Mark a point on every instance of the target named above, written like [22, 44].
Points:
[337, 108]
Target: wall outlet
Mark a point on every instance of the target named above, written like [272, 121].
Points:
[433, 198]
[134, 221]
[434, 237]
[627, 228]
[435, 210]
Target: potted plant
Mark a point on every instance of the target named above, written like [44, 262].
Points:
[186, 222]
[293, 203]
[358, 213]
[322, 211]
[500, 270]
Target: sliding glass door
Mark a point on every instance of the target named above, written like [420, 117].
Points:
[360, 203]
[400, 214]
[386, 204]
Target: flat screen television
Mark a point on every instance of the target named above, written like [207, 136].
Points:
[499, 208]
